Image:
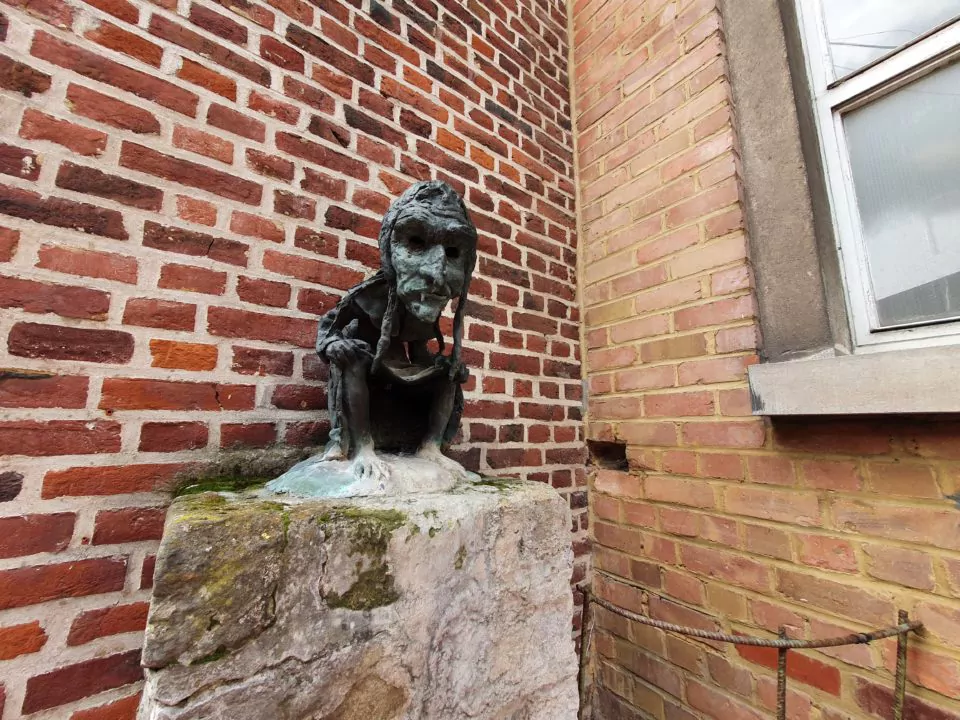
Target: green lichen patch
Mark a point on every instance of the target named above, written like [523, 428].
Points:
[218, 654]
[374, 588]
[368, 532]
[460, 558]
[196, 486]
[501, 484]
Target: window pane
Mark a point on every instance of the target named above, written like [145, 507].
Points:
[860, 31]
[905, 155]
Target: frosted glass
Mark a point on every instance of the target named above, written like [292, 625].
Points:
[905, 155]
[860, 31]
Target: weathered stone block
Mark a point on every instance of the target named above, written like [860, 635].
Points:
[452, 605]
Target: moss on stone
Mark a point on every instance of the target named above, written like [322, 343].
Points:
[218, 654]
[501, 484]
[195, 486]
[373, 588]
[368, 531]
[460, 558]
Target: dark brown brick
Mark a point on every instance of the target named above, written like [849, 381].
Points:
[81, 680]
[61, 213]
[55, 342]
[94, 182]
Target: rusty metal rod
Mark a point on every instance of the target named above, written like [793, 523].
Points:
[782, 677]
[853, 639]
[900, 688]
[586, 633]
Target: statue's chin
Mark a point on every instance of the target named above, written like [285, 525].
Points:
[425, 312]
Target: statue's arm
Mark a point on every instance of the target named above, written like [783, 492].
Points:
[332, 325]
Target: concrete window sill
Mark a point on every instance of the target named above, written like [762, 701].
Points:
[903, 381]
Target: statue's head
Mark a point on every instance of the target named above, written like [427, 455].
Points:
[428, 248]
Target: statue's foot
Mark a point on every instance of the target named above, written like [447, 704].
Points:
[368, 468]
[432, 453]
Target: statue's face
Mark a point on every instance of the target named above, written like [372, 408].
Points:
[429, 252]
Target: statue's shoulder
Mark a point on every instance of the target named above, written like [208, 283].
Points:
[369, 297]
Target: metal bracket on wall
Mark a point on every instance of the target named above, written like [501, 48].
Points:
[783, 644]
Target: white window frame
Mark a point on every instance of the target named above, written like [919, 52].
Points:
[832, 98]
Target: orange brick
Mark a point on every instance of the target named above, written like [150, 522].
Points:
[182, 355]
[673, 348]
[826, 552]
[795, 508]
[682, 404]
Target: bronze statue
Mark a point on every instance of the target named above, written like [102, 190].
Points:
[387, 390]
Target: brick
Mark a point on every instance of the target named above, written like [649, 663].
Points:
[263, 292]
[172, 436]
[37, 584]
[182, 355]
[724, 434]
[284, 112]
[838, 475]
[134, 394]
[253, 435]
[903, 480]
[81, 680]
[22, 78]
[189, 242]
[218, 24]
[58, 437]
[192, 279]
[9, 241]
[695, 493]
[88, 263]
[196, 211]
[63, 213]
[166, 314]
[103, 622]
[321, 155]
[166, 29]
[110, 111]
[310, 270]
[912, 568]
[784, 506]
[256, 226]
[299, 397]
[22, 389]
[128, 525]
[770, 470]
[800, 667]
[55, 342]
[10, 485]
[123, 41]
[203, 143]
[826, 552]
[112, 480]
[296, 206]
[673, 348]
[23, 639]
[938, 527]
[836, 597]
[95, 67]
[680, 404]
[281, 54]
[228, 322]
[122, 709]
[320, 48]
[32, 534]
[83, 141]
[255, 361]
[144, 159]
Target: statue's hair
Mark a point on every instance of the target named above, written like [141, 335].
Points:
[422, 192]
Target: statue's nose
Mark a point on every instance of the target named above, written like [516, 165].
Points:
[433, 268]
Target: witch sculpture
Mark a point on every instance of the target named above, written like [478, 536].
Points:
[388, 392]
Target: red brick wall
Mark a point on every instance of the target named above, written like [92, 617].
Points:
[184, 187]
[727, 521]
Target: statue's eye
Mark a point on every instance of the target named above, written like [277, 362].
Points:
[453, 252]
[417, 242]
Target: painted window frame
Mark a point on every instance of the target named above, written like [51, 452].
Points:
[831, 99]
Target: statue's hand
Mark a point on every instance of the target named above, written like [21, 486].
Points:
[456, 371]
[348, 351]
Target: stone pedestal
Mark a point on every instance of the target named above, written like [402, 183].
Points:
[434, 607]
